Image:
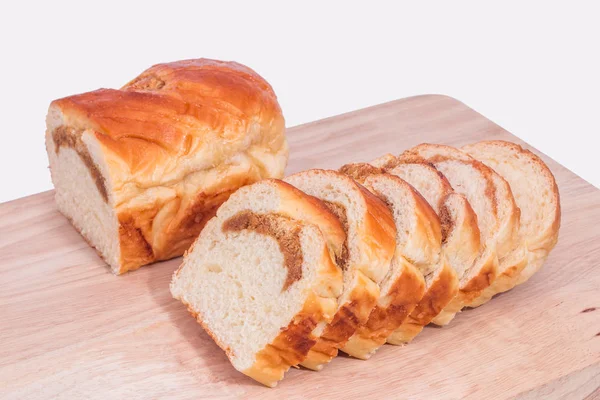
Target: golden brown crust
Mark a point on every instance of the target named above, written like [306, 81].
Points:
[463, 243]
[141, 123]
[428, 233]
[428, 219]
[439, 292]
[379, 230]
[426, 238]
[463, 237]
[293, 343]
[486, 268]
[135, 249]
[400, 300]
[485, 277]
[193, 130]
[441, 285]
[289, 348]
[376, 244]
[498, 191]
[379, 234]
[512, 265]
[470, 289]
[349, 316]
[460, 240]
[138, 246]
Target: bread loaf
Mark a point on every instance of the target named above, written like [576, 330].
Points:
[138, 171]
[368, 250]
[261, 280]
[535, 192]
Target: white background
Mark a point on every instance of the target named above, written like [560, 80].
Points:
[531, 67]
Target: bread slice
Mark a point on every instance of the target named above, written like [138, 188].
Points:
[423, 176]
[475, 181]
[418, 254]
[368, 250]
[460, 241]
[260, 279]
[462, 247]
[535, 192]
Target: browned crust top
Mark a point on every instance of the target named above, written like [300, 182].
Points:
[170, 106]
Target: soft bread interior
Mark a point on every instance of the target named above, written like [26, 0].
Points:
[234, 282]
[507, 214]
[462, 240]
[536, 194]
[509, 218]
[460, 235]
[337, 196]
[426, 180]
[416, 232]
[344, 199]
[476, 187]
[261, 282]
[532, 185]
[77, 195]
[442, 283]
[364, 262]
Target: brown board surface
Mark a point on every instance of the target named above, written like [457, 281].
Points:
[70, 329]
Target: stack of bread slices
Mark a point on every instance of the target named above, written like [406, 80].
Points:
[290, 272]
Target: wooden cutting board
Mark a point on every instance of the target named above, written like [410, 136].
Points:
[70, 329]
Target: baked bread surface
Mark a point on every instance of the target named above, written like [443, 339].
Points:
[163, 153]
[537, 195]
[261, 279]
[418, 254]
[368, 250]
[442, 284]
[476, 182]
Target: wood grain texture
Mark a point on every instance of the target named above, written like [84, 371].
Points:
[70, 329]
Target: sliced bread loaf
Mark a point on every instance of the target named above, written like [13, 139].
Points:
[473, 180]
[460, 241]
[509, 244]
[535, 192]
[418, 254]
[261, 279]
[365, 261]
